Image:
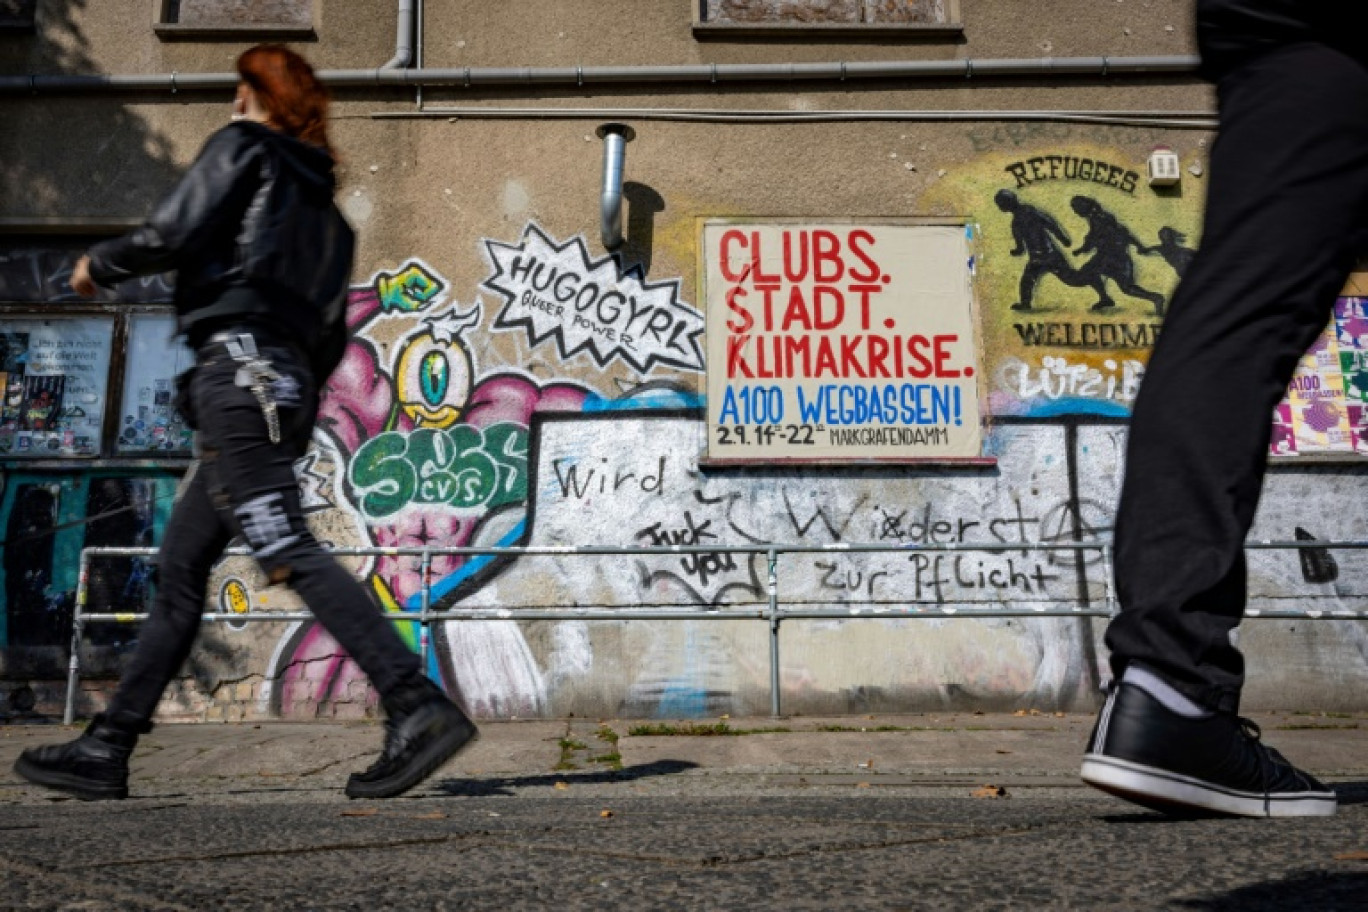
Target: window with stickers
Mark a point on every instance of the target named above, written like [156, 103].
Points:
[83, 380]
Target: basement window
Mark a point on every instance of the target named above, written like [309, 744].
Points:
[236, 19]
[17, 15]
[826, 18]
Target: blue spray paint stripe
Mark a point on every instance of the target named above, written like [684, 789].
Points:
[646, 402]
[1076, 407]
[682, 697]
[472, 566]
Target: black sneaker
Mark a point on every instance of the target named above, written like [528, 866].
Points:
[1144, 753]
[423, 731]
[94, 767]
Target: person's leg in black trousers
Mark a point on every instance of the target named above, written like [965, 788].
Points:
[1289, 189]
[251, 482]
[193, 540]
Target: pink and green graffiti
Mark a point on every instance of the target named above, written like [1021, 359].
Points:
[431, 452]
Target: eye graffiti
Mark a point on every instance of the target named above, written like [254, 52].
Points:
[434, 373]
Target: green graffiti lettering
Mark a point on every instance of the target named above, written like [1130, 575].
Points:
[430, 450]
[382, 478]
[506, 444]
[462, 467]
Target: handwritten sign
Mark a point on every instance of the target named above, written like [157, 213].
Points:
[840, 342]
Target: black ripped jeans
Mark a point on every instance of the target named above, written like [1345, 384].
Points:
[245, 484]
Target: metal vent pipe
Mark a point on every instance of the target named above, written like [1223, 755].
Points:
[615, 138]
[469, 77]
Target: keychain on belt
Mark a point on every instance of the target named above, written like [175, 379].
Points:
[257, 375]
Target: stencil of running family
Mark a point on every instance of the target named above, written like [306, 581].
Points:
[1037, 236]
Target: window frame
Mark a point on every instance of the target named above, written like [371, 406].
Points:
[108, 455]
[63, 234]
[176, 31]
[9, 26]
[953, 27]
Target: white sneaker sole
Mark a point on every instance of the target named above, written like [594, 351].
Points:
[1161, 789]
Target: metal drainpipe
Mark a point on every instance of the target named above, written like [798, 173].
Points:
[467, 77]
[418, 50]
[403, 41]
[615, 138]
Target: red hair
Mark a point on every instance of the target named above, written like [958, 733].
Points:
[289, 90]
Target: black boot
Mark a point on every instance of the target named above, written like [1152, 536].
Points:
[423, 731]
[93, 767]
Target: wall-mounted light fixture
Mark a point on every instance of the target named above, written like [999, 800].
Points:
[615, 138]
[1163, 167]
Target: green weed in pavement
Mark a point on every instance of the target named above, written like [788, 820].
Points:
[656, 730]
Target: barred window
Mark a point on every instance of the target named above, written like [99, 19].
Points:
[236, 18]
[760, 16]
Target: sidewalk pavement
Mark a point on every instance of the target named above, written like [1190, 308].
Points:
[947, 750]
[889, 812]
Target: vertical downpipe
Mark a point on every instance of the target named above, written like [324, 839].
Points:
[774, 631]
[74, 665]
[418, 49]
[403, 39]
[423, 641]
[615, 138]
[1107, 571]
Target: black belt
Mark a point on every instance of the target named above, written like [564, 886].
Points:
[244, 345]
[255, 372]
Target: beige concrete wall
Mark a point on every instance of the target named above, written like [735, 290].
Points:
[436, 192]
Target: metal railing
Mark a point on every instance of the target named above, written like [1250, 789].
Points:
[772, 612]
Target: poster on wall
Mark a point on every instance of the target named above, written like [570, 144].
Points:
[840, 342]
[1325, 411]
[55, 377]
[148, 419]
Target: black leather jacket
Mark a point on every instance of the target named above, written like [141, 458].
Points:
[253, 235]
[1231, 32]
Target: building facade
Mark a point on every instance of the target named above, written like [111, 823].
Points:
[875, 273]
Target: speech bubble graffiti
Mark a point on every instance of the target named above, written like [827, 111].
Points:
[556, 291]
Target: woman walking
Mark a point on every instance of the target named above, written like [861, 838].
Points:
[262, 257]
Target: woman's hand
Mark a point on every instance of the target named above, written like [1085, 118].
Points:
[81, 282]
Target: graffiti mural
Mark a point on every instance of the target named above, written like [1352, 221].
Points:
[419, 443]
[1077, 259]
[432, 433]
[653, 494]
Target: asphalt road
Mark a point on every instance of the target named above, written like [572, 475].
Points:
[243, 817]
